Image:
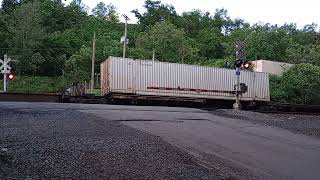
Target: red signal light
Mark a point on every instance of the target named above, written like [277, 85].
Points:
[10, 77]
[247, 65]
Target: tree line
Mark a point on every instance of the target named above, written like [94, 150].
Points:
[50, 38]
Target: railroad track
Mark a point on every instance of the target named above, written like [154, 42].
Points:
[290, 108]
[288, 112]
[20, 97]
[153, 100]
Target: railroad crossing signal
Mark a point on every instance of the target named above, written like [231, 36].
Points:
[240, 59]
[247, 65]
[5, 69]
[244, 64]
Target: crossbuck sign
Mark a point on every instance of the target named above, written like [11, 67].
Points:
[5, 68]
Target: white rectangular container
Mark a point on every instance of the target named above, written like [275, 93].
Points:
[271, 67]
[143, 77]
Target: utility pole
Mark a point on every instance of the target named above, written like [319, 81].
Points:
[93, 61]
[125, 38]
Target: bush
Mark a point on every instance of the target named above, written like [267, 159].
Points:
[299, 85]
[36, 85]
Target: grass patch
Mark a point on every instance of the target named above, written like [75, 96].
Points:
[36, 85]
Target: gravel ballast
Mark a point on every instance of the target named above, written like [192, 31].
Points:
[71, 145]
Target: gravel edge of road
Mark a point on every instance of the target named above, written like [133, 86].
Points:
[15, 166]
[299, 124]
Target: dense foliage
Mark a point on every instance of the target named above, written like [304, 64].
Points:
[299, 85]
[37, 84]
[49, 38]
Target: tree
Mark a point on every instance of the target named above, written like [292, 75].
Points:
[78, 67]
[4, 35]
[79, 40]
[195, 21]
[27, 35]
[106, 12]
[305, 36]
[299, 85]
[169, 43]
[221, 20]
[304, 54]
[156, 12]
[310, 28]
[36, 61]
[267, 42]
[59, 17]
[210, 43]
[8, 6]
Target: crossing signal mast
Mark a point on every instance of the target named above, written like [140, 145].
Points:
[6, 73]
[125, 39]
[240, 62]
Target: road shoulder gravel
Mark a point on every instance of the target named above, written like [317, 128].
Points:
[72, 145]
[299, 124]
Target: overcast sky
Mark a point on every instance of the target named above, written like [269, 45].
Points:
[300, 12]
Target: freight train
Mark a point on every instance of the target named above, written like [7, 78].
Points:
[162, 79]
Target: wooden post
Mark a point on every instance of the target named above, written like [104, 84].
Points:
[93, 61]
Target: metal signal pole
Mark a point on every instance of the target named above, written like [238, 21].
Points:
[5, 82]
[125, 35]
[153, 55]
[5, 70]
[237, 105]
[240, 56]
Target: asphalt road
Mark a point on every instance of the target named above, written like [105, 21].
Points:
[70, 141]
